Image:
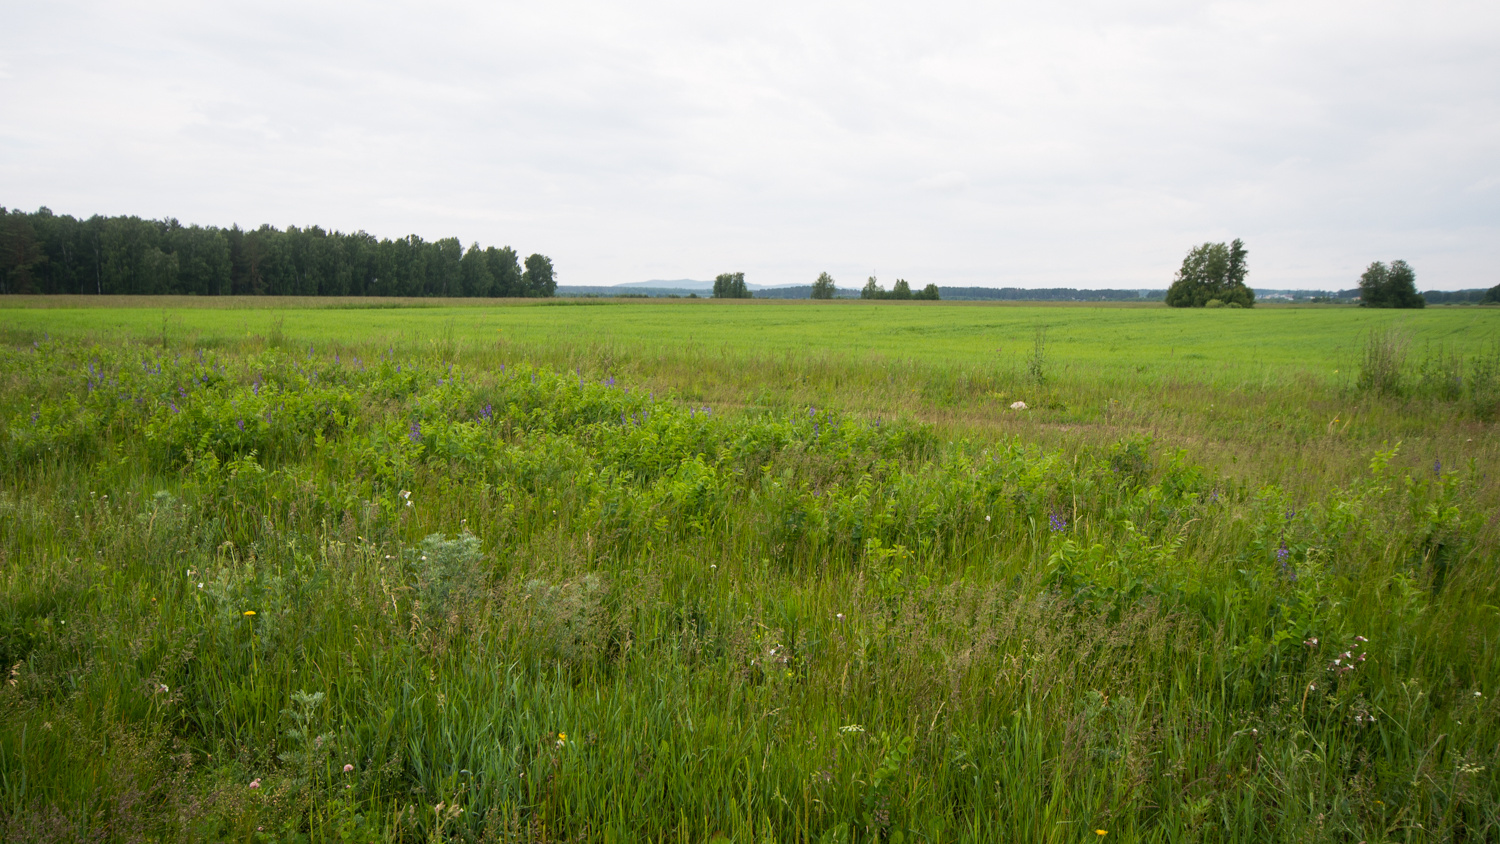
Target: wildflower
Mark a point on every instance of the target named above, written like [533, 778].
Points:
[1057, 522]
[1360, 639]
[1311, 643]
[562, 739]
[1478, 693]
[1101, 832]
[348, 768]
[840, 617]
[249, 612]
[255, 783]
[986, 518]
[415, 434]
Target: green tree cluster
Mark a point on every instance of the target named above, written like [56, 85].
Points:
[731, 286]
[1390, 287]
[43, 252]
[1492, 295]
[900, 290]
[1212, 275]
[824, 287]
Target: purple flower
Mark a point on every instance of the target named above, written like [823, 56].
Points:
[1437, 467]
[610, 381]
[1283, 552]
[241, 423]
[487, 412]
[1057, 521]
[415, 434]
[35, 416]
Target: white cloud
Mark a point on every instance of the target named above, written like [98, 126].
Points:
[1084, 143]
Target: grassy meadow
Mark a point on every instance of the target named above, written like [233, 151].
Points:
[752, 571]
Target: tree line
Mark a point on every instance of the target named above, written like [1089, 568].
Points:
[1213, 275]
[43, 252]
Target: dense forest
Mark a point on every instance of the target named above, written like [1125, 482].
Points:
[43, 252]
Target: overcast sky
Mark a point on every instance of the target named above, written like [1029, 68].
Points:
[1083, 144]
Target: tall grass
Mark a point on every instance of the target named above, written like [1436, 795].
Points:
[262, 592]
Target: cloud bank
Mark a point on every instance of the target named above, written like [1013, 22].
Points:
[1085, 144]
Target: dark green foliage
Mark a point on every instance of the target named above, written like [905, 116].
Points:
[1492, 296]
[731, 286]
[901, 290]
[538, 279]
[1475, 296]
[824, 287]
[1389, 287]
[1212, 272]
[46, 253]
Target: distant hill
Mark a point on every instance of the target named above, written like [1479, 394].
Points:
[1048, 294]
[803, 291]
[690, 284]
[962, 294]
[669, 289]
[631, 291]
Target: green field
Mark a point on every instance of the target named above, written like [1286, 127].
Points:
[747, 571]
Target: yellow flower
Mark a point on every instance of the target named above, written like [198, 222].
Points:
[562, 736]
[1101, 832]
[249, 612]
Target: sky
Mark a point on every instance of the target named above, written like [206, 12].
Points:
[1046, 144]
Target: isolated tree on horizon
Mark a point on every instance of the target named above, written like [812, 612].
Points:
[824, 287]
[731, 286]
[1390, 287]
[538, 279]
[930, 292]
[1212, 272]
[901, 290]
